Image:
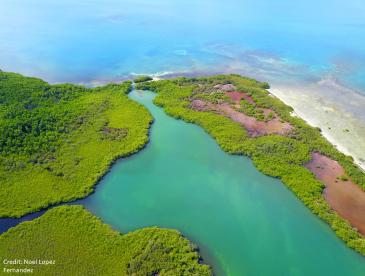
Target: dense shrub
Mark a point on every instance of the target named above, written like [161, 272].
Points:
[57, 140]
[80, 244]
[142, 79]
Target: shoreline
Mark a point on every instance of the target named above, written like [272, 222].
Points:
[284, 158]
[341, 128]
[334, 108]
[326, 104]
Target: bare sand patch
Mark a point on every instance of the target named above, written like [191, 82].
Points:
[344, 196]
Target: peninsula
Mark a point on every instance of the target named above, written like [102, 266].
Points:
[56, 143]
[244, 118]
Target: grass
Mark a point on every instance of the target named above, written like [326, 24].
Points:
[80, 244]
[274, 155]
[70, 135]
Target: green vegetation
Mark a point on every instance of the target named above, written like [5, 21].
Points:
[274, 155]
[58, 140]
[80, 244]
[254, 111]
[344, 178]
[142, 79]
[215, 98]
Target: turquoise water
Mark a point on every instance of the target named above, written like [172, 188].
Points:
[92, 41]
[245, 223]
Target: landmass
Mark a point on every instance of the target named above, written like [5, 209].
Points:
[142, 79]
[343, 195]
[68, 240]
[336, 110]
[57, 141]
[245, 118]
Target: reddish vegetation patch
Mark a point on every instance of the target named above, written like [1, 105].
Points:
[345, 197]
[237, 96]
[200, 105]
[252, 125]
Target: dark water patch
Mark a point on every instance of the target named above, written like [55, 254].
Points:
[7, 223]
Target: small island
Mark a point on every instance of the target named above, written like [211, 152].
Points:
[140, 79]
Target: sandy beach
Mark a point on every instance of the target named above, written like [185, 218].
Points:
[336, 110]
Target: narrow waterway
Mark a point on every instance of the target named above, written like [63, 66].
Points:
[244, 222]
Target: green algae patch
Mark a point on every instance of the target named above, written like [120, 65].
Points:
[74, 242]
[57, 141]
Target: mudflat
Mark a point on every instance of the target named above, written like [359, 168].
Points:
[343, 195]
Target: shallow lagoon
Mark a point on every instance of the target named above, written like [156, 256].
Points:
[245, 223]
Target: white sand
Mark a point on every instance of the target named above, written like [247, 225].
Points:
[336, 110]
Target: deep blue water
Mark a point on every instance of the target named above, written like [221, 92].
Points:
[93, 41]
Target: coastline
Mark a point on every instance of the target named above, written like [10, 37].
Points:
[339, 126]
[284, 158]
[336, 109]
